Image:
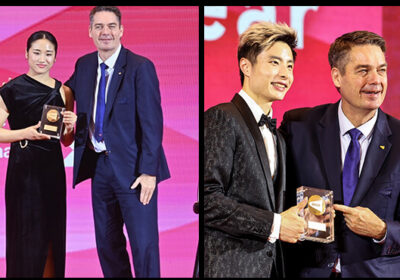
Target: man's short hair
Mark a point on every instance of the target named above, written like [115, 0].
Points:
[112, 9]
[339, 50]
[262, 35]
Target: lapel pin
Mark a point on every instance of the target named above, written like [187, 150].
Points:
[382, 147]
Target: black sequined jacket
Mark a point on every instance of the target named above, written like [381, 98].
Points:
[240, 196]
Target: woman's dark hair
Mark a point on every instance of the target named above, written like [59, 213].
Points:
[41, 35]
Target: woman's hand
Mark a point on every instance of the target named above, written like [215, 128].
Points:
[69, 120]
[31, 133]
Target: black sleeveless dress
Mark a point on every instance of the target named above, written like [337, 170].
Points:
[35, 192]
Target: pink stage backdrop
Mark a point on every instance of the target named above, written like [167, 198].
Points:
[169, 37]
[317, 28]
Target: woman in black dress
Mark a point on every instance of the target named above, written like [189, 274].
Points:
[35, 185]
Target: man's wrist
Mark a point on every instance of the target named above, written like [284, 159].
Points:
[275, 229]
[382, 233]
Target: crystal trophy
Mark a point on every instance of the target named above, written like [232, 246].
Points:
[52, 121]
[318, 214]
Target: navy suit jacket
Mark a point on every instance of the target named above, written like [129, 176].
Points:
[314, 159]
[133, 121]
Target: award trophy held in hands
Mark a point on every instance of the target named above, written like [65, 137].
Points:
[52, 121]
[318, 214]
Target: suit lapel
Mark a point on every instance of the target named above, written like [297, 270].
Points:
[118, 74]
[260, 146]
[374, 158]
[281, 176]
[328, 134]
[90, 86]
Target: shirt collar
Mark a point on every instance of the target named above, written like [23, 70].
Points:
[110, 62]
[254, 107]
[345, 124]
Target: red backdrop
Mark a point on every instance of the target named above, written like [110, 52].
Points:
[317, 28]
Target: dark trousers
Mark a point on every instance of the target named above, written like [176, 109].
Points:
[114, 206]
[335, 275]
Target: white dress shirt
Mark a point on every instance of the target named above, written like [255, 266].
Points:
[270, 146]
[366, 129]
[110, 62]
[269, 138]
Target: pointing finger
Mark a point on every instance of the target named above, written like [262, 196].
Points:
[342, 208]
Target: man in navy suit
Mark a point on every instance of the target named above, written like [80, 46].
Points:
[325, 144]
[118, 143]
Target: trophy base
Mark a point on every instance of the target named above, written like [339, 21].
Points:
[317, 239]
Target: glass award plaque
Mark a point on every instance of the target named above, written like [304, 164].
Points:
[318, 214]
[52, 121]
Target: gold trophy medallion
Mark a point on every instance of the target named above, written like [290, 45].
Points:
[53, 115]
[316, 205]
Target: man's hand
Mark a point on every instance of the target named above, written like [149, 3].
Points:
[292, 225]
[362, 221]
[148, 184]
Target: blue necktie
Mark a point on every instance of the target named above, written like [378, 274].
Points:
[351, 166]
[101, 104]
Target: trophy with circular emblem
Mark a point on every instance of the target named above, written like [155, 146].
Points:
[318, 214]
[52, 121]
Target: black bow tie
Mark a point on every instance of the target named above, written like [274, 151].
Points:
[271, 123]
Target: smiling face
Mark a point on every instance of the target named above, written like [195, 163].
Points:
[106, 32]
[41, 56]
[364, 83]
[271, 76]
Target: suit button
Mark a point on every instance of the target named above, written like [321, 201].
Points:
[269, 253]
